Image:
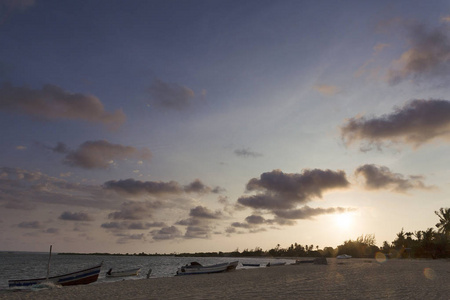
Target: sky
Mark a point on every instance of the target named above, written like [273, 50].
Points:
[205, 126]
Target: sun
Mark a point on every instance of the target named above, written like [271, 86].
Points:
[344, 221]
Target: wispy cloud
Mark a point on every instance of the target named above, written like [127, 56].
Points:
[100, 154]
[54, 103]
[427, 57]
[327, 90]
[416, 123]
[246, 152]
[76, 216]
[171, 95]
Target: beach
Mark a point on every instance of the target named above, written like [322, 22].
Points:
[339, 279]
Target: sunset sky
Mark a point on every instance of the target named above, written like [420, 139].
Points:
[189, 126]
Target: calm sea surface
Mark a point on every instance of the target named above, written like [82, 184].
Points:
[24, 265]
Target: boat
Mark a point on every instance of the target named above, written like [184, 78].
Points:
[275, 264]
[123, 273]
[84, 276]
[343, 256]
[196, 268]
[250, 265]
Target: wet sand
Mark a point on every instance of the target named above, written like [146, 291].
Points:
[340, 279]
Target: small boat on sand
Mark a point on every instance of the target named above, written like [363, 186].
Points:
[250, 265]
[275, 264]
[123, 273]
[196, 268]
[343, 256]
[84, 276]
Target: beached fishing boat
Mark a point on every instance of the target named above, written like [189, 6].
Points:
[275, 264]
[196, 268]
[343, 256]
[250, 265]
[123, 273]
[84, 276]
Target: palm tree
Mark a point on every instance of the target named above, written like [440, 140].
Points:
[444, 220]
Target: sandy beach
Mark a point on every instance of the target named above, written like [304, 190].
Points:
[340, 279]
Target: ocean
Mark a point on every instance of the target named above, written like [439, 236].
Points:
[25, 265]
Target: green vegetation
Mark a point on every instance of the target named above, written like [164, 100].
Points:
[420, 244]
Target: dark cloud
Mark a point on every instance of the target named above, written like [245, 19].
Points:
[197, 187]
[197, 232]
[77, 216]
[307, 212]
[255, 219]
[245, 152]
[23, 189]
[136, 187]
[379, 177]
[427, 57]
[189, 222]
[53, 103]
[133, 210]
[170, 95]
[278, 190]
[100, 154]
[166, 233]
[240, 225]
[416, 123]
[205, 213]
[132, 225]
[31, 225]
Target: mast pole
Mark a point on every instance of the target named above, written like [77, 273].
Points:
[48, 265]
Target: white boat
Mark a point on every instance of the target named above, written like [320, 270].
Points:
[343, 256]
[123, 273]
[196, 268]
[84, 276]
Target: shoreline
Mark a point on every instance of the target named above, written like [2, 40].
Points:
[339, 279]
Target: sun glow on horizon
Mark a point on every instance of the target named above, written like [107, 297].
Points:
[344, 221]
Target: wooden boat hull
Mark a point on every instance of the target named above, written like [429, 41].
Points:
[85, 276]
[198, 269]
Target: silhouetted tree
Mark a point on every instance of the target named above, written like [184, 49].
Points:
[444, 220]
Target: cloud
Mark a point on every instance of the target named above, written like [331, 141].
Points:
[136, 187]
[53, 103]
[203, 212]
[170, 95]
[31, 225]
[77, 216]
[100, 154]
[255, 219]
[166, 233]
[380, 177]
[278, 190]
[132, 210]
[428, 56]
[197, 187]
[24, 189]
[445, 19]
[416, 123]
[307, 212]
[327, 90]
[132, 225]
[245, 152]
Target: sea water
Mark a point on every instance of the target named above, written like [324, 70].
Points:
[27, 265]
